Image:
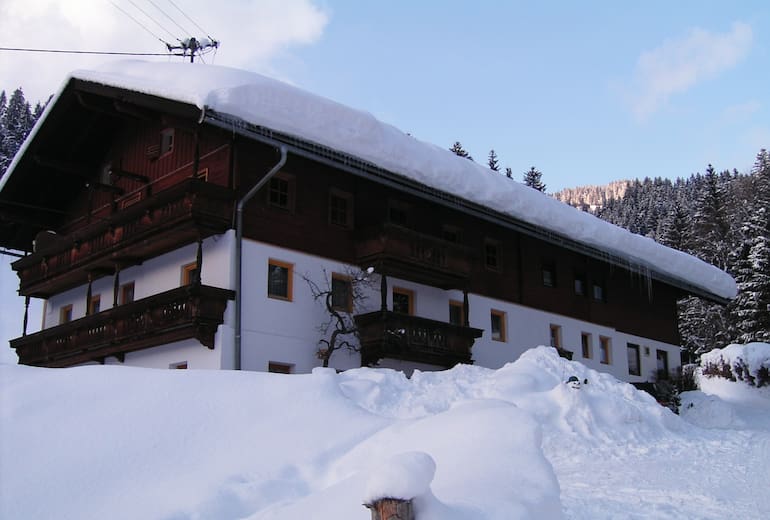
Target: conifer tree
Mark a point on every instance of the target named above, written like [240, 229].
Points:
[458, 149]
[509, 173]
[532, 178]
[492, 161]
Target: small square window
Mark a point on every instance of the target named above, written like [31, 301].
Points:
[279, 194]
[127, 293]
[342, 293]
[605, 350]
[598, 292]
[341, 209]
[549, 275]
[492, 258]
[580, 285]
[95, 304]
[403, 301]
[451, 234]
[279, 280]
[555, 336]
[190, 273]
[167, 141]
[586, 344]
[456, 313]
[398, 213]
[497, 322]
[65, 314]
[634, 363]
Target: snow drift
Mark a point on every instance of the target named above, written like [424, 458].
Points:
[119, 442]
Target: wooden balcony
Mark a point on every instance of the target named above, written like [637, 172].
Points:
[192, 311]
[155, 225]
[386, 334]
[403, 253]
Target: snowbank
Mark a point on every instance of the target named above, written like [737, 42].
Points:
[468, 443]
[275, 105]
[749, 363]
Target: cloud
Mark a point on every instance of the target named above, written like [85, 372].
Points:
[253, 34]
[679, 64]
[741, 111]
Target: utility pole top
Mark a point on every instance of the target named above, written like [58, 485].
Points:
[193, 46]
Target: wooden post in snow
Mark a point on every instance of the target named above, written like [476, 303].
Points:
[391, 509]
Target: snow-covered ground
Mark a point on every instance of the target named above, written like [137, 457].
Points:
[470, 443]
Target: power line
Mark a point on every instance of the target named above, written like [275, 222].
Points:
[191, 20]
[185, 31]
[63, 51]
[116, 6]
[153, 20]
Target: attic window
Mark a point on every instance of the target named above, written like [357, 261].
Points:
[166, 141]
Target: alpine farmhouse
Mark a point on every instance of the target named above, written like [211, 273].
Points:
[177, 216]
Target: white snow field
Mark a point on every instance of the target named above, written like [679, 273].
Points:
[116, 442]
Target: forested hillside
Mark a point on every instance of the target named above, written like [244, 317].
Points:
[592, 198]
[17, 118]
[720, 217]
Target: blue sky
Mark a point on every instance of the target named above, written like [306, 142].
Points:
[587, 92]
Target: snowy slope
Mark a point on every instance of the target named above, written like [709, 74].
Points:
[471, 443]
[266, 102]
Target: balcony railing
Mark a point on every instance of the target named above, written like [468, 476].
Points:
[153, 226]
[386, 334]
[192, 311]
[404, 253]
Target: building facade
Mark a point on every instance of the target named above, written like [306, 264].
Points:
[166, 233]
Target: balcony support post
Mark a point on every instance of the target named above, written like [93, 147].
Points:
[466, 309]
[116, 286]
[26, 315]
[88, 294]
[383, 292]
[198, 262]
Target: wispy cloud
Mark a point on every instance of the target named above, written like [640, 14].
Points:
[679, 64]
[252, 34]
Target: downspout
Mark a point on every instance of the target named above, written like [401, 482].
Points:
[239, 248]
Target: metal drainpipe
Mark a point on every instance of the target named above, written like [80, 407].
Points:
[239, 248]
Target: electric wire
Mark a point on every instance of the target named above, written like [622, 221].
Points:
[184, 31]
[191, 20]
[153, 20]
[116, 6]
[64, 51]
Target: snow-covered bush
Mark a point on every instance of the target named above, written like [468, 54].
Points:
[749, 363]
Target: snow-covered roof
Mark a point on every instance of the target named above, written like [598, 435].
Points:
[281, 107]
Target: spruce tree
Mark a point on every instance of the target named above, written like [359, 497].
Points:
[4, 155]
[492, 161]
[532, 178]
[509, 173]
[458, 149]
[17, 122]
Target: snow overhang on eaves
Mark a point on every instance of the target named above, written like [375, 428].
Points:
[370, 171]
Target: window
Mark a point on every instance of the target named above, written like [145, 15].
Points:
[587, 345]
[398, 213]
[556, 336]
[189, 273]
[279, 280]
[167, 141]
[403, 301]
[451, 234]
[580, 285]
[497, 319]
[492, 258]
[662, 357]
[65, 314]
[341, 209]
[634, 366]
[280, 193]
[342, 293]
[605, 350]
[94, 304]
[598, 292]
[549, 275]
[182, 365]
[456, 313]
[279, 368]
[127, 293]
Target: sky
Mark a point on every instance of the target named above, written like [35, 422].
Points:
[587, 92]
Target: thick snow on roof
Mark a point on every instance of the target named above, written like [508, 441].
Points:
[276, 105]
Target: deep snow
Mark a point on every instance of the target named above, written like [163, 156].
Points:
[278, 106]
[118, 442]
